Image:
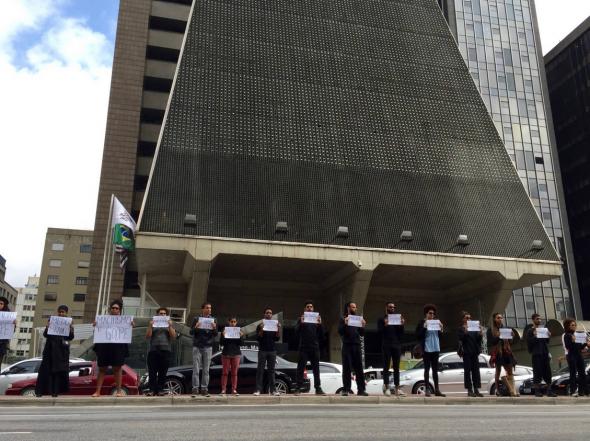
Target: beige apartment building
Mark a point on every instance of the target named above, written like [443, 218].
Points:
[64, 274]
[25, 312]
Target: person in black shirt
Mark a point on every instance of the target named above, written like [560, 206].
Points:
[538, 347]
[230, 358]
[309, 336]
[391, 336]
[575, 359]
[159, 354]
[267, 354]
[351, 351]
[470, 348]
[203, 339]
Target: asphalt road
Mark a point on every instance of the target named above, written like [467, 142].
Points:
[297, 422]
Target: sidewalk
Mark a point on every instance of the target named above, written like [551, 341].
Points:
[249, 400]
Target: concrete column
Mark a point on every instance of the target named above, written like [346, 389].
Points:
[197, 289]
[142, 294]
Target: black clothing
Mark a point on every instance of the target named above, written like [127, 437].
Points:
[158, 362]
[537, 346]
[471, 373]
[391, 353]
[351, 335]
[501, 348]
[111, 354]
[202, 338]
[313, 355]
[541, 369]
[309, 335]
[470, 340]
[575, 361]
[268, 359]
[391, 335]
[352, 361]
[266, 341]
[431, 361]
[53, 377]
[231, 346]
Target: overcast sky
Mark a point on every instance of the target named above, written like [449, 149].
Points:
[55, 62]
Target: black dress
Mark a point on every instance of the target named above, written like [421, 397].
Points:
[111, 354]
[53, 377]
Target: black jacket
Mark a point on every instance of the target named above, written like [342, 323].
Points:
[470, 340]
[351, 335]
[309, 335]
[56, 353]
[231, 346]
[266, 341]
[202, 338]
[536, 346]
[391, 335]
[573, 349]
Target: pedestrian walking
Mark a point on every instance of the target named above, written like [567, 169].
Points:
[53, 377]
[537, 345]
[391, 333]
[267, 354]
[230, 357]
[469, 349]
[158, 361]
[309, 335]
[4, 343]
[430, 340]
[501, 356]
[351, 328]
[575, 359]
[204, 331]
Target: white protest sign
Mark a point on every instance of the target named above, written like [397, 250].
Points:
[473, 326]
[161, 321]
[59, 326]
[113, 329]
[355, 320]
[394, 319]
[433, 325]
[270, 325]
[542, 333]
[581, 337]
[231, 332]
[7, 319]
[206, 322]
[506, 333]
[310, 317]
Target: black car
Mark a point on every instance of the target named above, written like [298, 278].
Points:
[179, 378]
[559, 384]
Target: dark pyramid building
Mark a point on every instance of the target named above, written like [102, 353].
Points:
[324, 114]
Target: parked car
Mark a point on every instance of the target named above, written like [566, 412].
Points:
[22, 370]
[331, 377]
[559, 382]
[521, 374]
[83, 381]
[179, 379]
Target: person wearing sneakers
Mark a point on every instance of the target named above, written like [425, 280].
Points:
[204, 333]
[501, 355]
[575, 359]
[230, 357]
[538, 347]
[267, 354]
[430, 340]
[309, 336]
[351, 350]
[391, 335]
[470, 342]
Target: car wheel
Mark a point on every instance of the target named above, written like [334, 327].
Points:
[420, 388]
[281, 387]
[173, 386]
[28, 392]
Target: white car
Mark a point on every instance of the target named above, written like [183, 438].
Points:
[22, 370]
[521, 373]
[331, 377]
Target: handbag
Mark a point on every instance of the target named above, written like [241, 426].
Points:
[418, 351]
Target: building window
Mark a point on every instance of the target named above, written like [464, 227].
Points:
[20, 353]
[55, 263]
[52, 280]
[81, 280]
[86, 248]
[49, 297]
[23, 330]
[83, 264]
[57, 247]
[78, 297]
[30, 296]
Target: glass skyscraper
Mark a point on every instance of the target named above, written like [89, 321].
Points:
[499, 41]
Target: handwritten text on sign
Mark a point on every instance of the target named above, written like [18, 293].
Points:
[505, 333]
[161, 321]
[270, 325]
[7, 324]
[581, 337]
[59, 326]
[310, 317]
[231, 332]
[355, 320]
[113, 329]
[394, 319]
[473, 326]
[542, 333]
[433, 325]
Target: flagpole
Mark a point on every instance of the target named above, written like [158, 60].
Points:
[110, 278]
[107, 245]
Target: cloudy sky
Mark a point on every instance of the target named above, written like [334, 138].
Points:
[55, 61]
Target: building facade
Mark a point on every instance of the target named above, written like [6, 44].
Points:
[568, 79]
[64, 274]
[499, 41]
[6, 290]
[25, 314]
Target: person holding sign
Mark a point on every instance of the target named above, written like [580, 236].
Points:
[110, 354]
[575, 359]
[267, 333]
[428, 333]
[5, 342]
[309, 332]
[391, 330]
[231, 340]
[54, 370]
[204, 331]
[499, 347]
[160, 333]
[351, 327]
[470, 337]
[537, 338]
